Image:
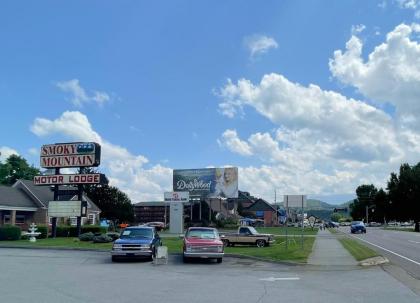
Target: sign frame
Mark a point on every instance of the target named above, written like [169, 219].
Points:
[71, 154]
[69, 179]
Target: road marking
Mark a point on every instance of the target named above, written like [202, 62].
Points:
[390, 251]
[272, 279]
[414, 242]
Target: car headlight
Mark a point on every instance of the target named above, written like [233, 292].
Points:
[145, 245]
[188, 248]
[117, 247]
[220, 248]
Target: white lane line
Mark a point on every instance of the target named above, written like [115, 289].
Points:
[414, 242]
[272, 279]
[390, 251]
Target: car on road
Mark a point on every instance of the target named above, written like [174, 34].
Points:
[357, 226]
[158, 225]
[202, 242]
[135, 242]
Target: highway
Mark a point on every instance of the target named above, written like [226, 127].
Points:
[400, 247]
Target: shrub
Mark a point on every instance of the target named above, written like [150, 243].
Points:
[86, 236]
[10, 232]
[113, 235]
[71, 231]
[43, 229]
[101, 239]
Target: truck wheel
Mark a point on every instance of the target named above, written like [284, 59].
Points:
[225, 243]
[260, 243]
[114, 259]
[185, 259]
[219, 260]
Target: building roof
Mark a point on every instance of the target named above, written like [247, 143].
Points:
[45, 194]
[14, 197]
[151, 203]
[260, 205]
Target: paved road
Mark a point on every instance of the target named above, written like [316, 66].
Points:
[73, 276]
[400, 247]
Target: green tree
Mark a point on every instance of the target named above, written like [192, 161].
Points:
[366, 195]
[336, 217]
[15, 168]
[115, 204]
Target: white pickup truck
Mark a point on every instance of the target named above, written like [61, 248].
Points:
[247, 235]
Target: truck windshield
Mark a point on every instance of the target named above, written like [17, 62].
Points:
[253, 230]
[137, 233]
[201, 233]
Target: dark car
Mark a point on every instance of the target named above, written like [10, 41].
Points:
[357, 226]
[136, 241]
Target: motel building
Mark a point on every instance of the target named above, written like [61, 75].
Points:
[24, 203]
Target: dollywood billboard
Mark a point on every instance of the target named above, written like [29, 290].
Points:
[207, 182]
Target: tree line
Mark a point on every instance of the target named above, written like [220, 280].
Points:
[400, 201]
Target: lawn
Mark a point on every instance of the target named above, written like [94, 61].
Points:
[275, 252]
[357, 250]
[58, 243]
[410, 229]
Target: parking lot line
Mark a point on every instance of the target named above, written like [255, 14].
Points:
[272, 279]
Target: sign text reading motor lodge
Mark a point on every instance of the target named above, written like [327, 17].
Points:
[79, 154]
[69, 179]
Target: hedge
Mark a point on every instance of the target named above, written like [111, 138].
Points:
[10, 232]
[71, 231]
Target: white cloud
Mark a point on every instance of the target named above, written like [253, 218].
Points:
[5, 152]
[259, 44]
[324, 143]
[390, 74]
[357, 29]
[124, 169]
[411, 4]
[80, 96]
[233, 143]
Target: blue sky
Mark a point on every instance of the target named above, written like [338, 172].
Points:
[180, 84]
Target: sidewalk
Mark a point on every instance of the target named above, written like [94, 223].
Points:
[329, 251]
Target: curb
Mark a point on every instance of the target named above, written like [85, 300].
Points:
[379, 260]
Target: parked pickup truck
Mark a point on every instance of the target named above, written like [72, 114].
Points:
[247, 235]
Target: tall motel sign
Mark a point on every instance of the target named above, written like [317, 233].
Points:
[69, 155]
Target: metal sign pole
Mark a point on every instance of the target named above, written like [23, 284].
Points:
[302, 223]
[287, 218]
[80, 198]
[54, 219]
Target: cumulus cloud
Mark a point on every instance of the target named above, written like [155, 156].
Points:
[391, 74]
[259, 44]
[324, 141]
[6, 152]
[79, 94]
[124, 169]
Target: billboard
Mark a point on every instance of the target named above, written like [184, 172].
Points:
[76, 154]
[70, 179]
[207, 182]
[294, 200]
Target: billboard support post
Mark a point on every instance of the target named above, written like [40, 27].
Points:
[54, 219]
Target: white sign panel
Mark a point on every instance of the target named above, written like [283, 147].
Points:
[177, 196]
[64, 209]
[294, 200]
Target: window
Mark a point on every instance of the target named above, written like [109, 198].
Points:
[6, 219]
[73, 221]
[20, 219]
[91, 219]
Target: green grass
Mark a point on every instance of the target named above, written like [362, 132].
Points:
[58, 243]
[290, 231]
[275, 252]
[357, 250]
[333, 230]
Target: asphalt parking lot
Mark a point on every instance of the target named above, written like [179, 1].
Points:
[76, 276]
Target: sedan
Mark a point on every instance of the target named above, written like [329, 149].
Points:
[357, 226]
